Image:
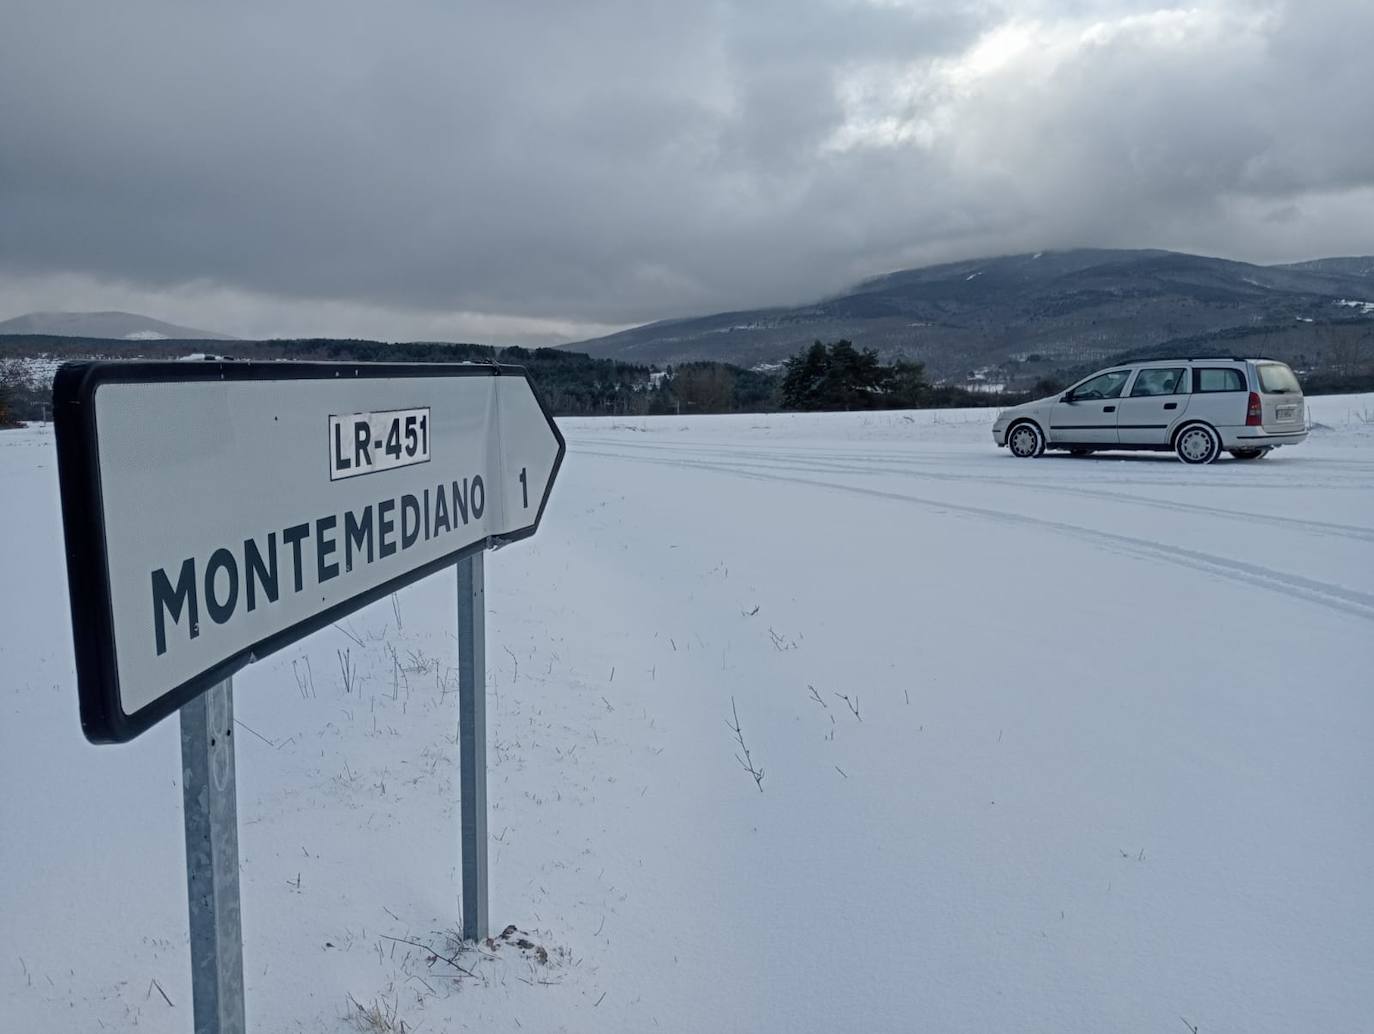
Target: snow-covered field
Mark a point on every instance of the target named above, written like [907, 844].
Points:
[1071, 745]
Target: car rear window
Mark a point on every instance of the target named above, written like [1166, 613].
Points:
[1277, 379]
[1224, 379]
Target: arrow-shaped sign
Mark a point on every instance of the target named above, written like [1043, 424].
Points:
[216, 511]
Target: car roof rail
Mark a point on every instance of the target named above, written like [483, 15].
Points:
[1200, 359]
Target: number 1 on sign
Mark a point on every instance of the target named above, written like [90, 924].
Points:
[524, 489]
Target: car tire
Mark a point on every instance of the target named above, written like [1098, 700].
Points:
[1197, 444]
[1249, 454]
[1025, 441]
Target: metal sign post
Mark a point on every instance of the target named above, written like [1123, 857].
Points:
[212, 860]
[472, 742]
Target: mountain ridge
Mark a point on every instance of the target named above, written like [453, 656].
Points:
[113, 325]
[1065, 306]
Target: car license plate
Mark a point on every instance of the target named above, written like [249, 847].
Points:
[1286, 413]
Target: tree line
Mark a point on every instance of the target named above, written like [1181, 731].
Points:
[822, 377]
[834, 376]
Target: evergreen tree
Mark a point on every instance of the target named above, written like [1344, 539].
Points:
[804, 378]
[906, 384]
[12, 380]
[837, 376]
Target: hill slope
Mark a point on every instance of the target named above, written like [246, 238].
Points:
[1353, 265]
[128, 326]
[1068, 306]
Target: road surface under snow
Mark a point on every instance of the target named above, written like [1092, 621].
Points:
[1056, 745]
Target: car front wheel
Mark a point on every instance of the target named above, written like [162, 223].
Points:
[1197, 444]
[1025, 441]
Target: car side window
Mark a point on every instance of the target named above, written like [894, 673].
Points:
[1104, 386]
[1228, 379]
[1157, 382]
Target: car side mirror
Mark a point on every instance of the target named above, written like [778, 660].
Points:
[1066, 397]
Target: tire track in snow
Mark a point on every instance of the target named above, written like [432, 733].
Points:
[1048, 467]
[820, 463]
[1349, 531]
[1326, 594]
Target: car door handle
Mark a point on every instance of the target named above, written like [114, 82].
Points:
[1171, 405]
[1109, 409]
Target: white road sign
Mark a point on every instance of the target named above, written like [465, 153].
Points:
[217, 511]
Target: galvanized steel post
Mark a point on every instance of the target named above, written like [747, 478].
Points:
[212, 860]
[472, 742]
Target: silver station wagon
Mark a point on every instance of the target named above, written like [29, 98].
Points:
[1197, 408]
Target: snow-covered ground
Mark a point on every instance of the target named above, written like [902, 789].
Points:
[1104, 762]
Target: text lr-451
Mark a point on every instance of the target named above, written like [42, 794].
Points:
[364, 443]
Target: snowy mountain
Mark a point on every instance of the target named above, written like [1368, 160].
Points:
[127, 326]
[1077, 306]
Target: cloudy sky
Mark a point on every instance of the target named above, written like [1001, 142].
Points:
[525, 171]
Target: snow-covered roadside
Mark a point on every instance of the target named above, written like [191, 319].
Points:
[1349, 413]
[1109, 766]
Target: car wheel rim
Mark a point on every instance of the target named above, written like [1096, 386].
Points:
[1196, 445]
[1023, 441]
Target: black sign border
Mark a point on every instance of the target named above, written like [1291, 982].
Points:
[83, 522]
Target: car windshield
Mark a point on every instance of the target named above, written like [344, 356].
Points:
[1104, 386]
[1278, 379]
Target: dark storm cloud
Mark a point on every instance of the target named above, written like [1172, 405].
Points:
[613, 162]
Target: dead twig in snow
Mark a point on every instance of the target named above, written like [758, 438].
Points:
[853, 704]
[817, 697]
[305, 688]
[434, 953]
[256, 733]
[349, 634]
[378, 1019]
[154, 984]
[746, 762]
[781, 642]
[346, 666]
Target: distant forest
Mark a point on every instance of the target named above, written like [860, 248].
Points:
[571, 383]
[822, 377]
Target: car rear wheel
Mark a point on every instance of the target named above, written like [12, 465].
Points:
[1197, 444]
[1249, 454]
[1025, 441]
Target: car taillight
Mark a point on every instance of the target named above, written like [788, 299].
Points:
[1254, 415]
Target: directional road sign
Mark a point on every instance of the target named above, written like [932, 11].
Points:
[216, 511]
